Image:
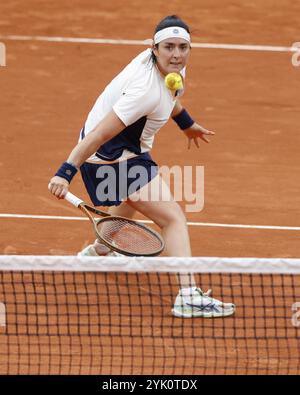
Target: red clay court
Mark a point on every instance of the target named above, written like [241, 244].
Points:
[248, 97]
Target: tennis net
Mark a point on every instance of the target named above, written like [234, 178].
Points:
[86, 315]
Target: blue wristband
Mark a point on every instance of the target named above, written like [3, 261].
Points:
[183, 120]
[66, 171]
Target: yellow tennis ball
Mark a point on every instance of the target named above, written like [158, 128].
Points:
[173, 81]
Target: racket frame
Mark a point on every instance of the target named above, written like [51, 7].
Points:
[87, 210]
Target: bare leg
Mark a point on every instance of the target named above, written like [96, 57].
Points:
[155, 201]
[123, 210]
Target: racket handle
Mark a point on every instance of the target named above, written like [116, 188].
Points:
[73, 199]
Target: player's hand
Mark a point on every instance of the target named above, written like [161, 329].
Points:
[196, 132]
[58, 186]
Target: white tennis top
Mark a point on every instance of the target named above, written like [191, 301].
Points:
[140, 99]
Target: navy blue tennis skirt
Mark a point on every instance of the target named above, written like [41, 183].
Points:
[110, 184]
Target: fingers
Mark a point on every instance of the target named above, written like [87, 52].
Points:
[208, 132]
[196, 142]
[195, 139]
[199, 134]
[58, 187]
[205, 139]
[58, 191]
[204, 133]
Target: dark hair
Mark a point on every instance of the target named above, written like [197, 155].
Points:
[169, 21]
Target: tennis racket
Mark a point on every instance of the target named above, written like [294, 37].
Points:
[126, 236]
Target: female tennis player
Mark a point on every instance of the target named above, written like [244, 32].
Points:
[115, 163]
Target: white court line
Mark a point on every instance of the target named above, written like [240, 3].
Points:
[239, 47]
[210, 224]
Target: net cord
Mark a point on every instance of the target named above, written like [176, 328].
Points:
[150, 264]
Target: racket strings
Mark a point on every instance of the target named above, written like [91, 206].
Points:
[129, 237]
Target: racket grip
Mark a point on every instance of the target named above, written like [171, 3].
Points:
[73, 199]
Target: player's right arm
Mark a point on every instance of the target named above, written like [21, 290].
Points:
[135, 103]
[107, 128]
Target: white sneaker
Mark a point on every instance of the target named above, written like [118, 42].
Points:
[88, 251]
[200, 304]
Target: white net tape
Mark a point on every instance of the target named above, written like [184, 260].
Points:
[155, 264]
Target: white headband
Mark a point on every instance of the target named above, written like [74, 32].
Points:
[171, 32]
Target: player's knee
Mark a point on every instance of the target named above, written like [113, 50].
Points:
[174, 217]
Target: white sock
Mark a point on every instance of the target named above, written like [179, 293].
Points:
[88, 251]
[187, 291]
[187, 294]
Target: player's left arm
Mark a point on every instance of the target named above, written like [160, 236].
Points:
[191, 129]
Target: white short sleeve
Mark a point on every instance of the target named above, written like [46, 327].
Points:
[136, 101]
